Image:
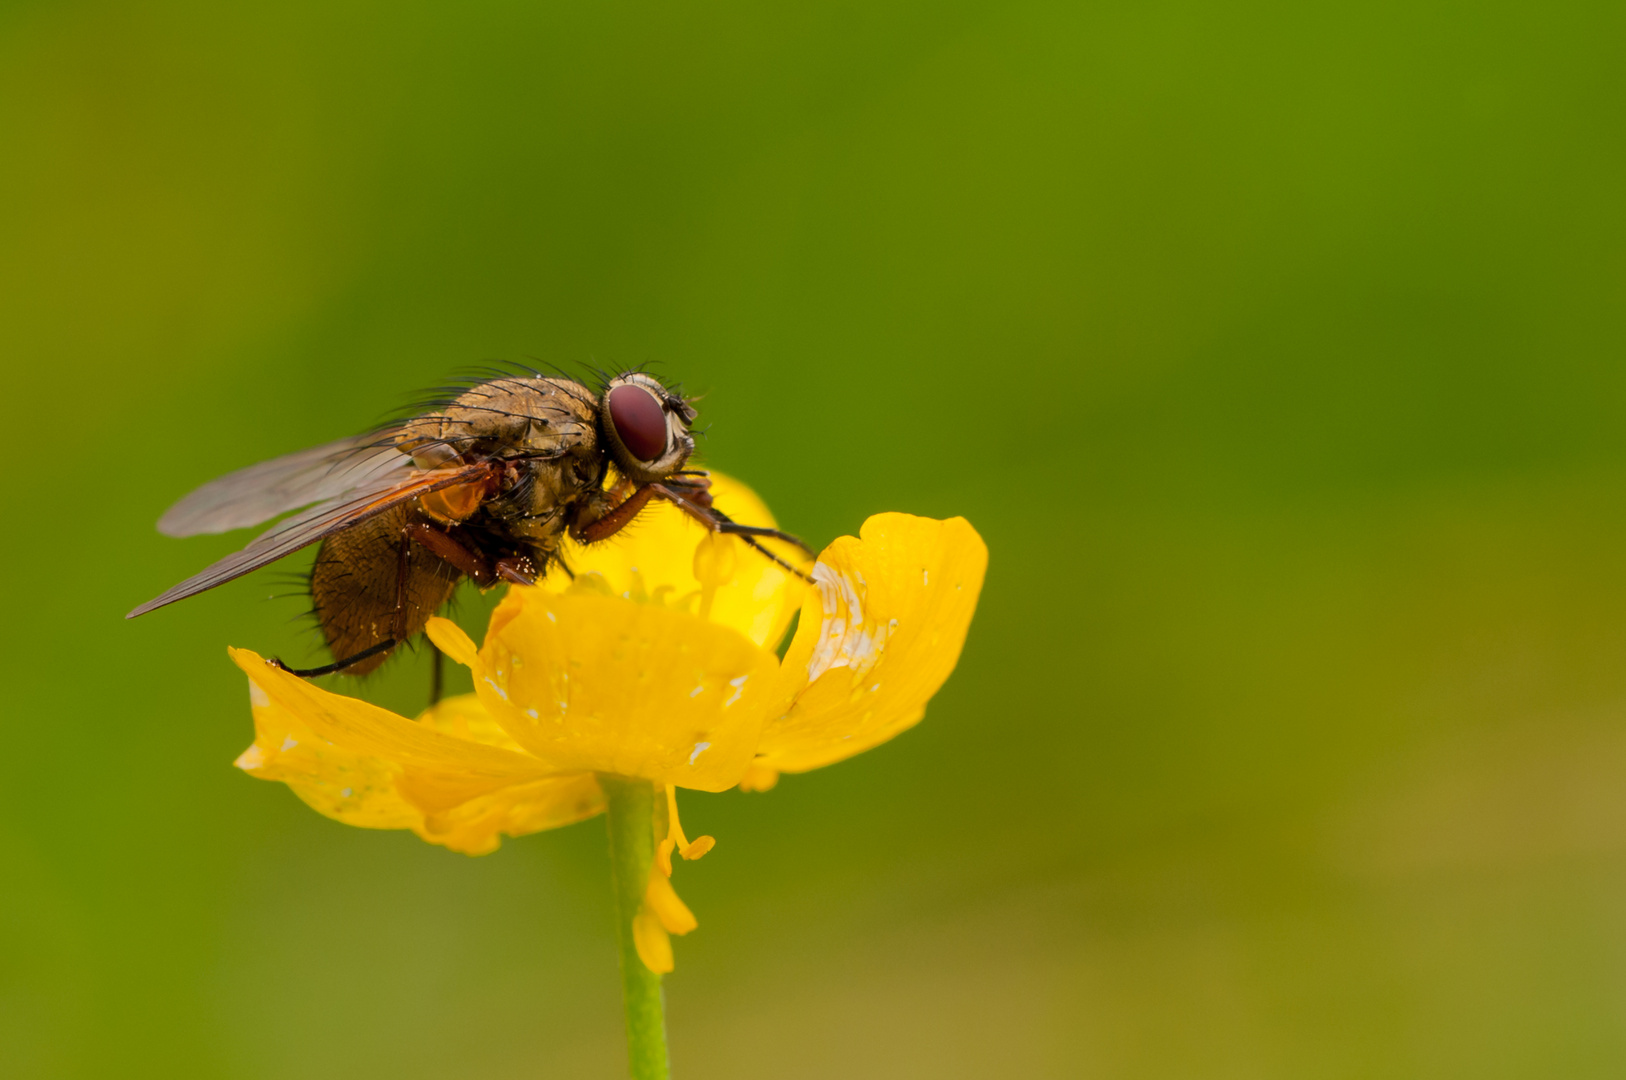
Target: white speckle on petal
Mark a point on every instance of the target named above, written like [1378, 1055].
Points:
[697, 691]
[552, 617]
[845, 640]
[499, 690]
[531, 712]
[347, 792]
[925, 577]
[288, 743]
[256, 696]
[699, 748]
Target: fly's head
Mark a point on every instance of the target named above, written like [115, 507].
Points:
[645, 427]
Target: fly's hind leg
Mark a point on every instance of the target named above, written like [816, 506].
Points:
[337, 665]
[374, 585]
[437, 674]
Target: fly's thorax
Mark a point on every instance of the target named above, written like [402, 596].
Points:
[503, 418]
[540, 506]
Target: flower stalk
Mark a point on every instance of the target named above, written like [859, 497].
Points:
[630, 810]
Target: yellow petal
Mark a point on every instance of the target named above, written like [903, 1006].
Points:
[466, 717]
[667, 557]
[595, 684]
[876, 642]
[664, 901]
[450, 639]
[454, 777]
[364, 728]
[342, 784]
[473, 827]
[649, 937]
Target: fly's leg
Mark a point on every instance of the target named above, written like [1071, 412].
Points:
[403, 558]
[337, 665]
[734, 528]
[615, 520]
[518, 569]
[693, 497]
[771, 557]
[469, 562]
[695, 500]
[437, 674]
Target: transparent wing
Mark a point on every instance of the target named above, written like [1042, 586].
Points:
[316, 523]
[264, 491]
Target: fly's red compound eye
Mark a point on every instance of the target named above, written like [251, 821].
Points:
[639, 420]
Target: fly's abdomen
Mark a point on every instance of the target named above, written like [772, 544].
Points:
[370, 584]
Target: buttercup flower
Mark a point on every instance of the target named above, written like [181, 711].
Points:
[656, 662]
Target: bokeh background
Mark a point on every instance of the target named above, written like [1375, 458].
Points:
[1274, 348]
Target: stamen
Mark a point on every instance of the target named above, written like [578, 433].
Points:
[675, 837]
[715, 561]
[663, 856]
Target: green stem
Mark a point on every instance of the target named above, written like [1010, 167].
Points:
[632, 849]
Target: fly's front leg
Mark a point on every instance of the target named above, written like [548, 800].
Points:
[734, 528]
[614, 520]
[695, 500]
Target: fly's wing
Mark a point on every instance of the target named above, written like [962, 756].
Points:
[316, 523]
[271, 488]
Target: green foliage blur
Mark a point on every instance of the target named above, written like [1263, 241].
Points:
[1274, 348]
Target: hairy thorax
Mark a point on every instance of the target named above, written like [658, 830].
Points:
[545, 431]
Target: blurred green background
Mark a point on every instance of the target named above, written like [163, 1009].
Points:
[1274, 348]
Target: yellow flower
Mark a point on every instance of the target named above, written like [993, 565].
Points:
[655, 662]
